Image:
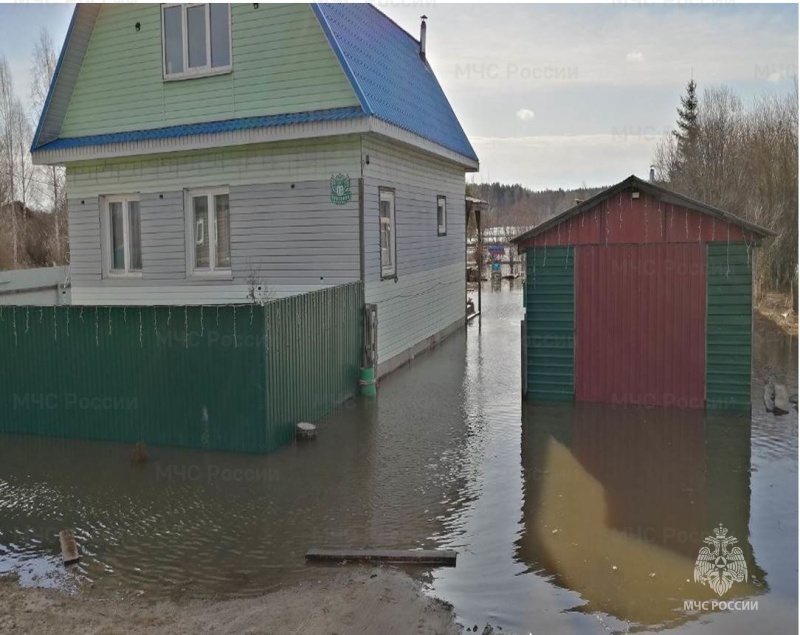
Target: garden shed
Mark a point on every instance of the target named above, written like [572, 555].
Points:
[640, 296]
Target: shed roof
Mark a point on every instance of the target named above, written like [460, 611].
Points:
[664, 194]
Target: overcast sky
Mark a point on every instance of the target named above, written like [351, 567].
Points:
[556, 95]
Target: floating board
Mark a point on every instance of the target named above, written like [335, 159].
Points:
[444, 558]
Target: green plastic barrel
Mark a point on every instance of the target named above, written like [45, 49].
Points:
[368, 387]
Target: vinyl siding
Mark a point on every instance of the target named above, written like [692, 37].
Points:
[243, 165]
[417, 179]
[429, 294]
[282, 62]
[416, 307]
[285, 232]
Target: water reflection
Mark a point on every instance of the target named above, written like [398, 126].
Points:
[617, 502]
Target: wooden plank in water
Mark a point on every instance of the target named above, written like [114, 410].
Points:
[69, 548]
[444, 558]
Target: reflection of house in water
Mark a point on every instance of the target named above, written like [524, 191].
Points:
[619, 500]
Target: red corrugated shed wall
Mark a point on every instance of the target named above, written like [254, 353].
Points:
[640, 324]
[640, 298]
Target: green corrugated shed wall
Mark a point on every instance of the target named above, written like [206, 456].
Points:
[729, 326]
[550, 323]
[224, 378]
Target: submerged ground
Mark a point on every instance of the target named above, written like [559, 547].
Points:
[566, 519]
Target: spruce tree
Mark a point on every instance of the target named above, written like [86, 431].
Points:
[686, 134]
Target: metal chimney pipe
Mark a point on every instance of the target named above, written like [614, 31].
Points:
[422, 32]
[652, 174]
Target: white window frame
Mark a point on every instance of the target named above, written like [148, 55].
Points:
[213, 271]
[107, 242]
[388, 194]
[441, 228]
[200, 71]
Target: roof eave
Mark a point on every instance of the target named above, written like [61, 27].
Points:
[36, 135]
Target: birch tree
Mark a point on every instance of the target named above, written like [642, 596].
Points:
[42, 70]
[7, 146]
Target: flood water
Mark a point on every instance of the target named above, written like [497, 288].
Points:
[573, 519]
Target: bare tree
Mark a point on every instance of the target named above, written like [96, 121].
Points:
[744, 161]
[42, 71]
[7, 145]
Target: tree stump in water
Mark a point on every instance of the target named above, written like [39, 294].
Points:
[306, 431]
[781, 400]
[69, 548]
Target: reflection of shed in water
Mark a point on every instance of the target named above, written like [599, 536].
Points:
[638, 490]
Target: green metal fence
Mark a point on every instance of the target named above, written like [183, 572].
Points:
[219, 377]
[314, 347]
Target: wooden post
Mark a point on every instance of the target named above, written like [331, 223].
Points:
[479, 249]
[524, 357]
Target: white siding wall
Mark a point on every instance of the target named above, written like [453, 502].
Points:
[285, 232]
[429, 293]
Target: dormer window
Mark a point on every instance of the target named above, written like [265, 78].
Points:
[196, 39]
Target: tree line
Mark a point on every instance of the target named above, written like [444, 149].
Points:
[741, 158]
[32, 198]
[517, 208]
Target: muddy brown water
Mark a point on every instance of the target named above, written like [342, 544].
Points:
[574, 519]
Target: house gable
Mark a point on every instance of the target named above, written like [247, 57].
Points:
[298, 72]
[282, 63]
[634, 212]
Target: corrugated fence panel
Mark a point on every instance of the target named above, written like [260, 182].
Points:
[213, 377]
[314, 345]
[550, 323]
[730, 323]
[181, 376]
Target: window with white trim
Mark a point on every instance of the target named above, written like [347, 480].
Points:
[209, 220]
[441, 215]
[123, 236]
[196, 39]
[388, 242]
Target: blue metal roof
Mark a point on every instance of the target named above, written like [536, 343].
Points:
[185, 130]
[391, 80]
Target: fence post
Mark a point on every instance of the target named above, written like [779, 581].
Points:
[370, 350]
